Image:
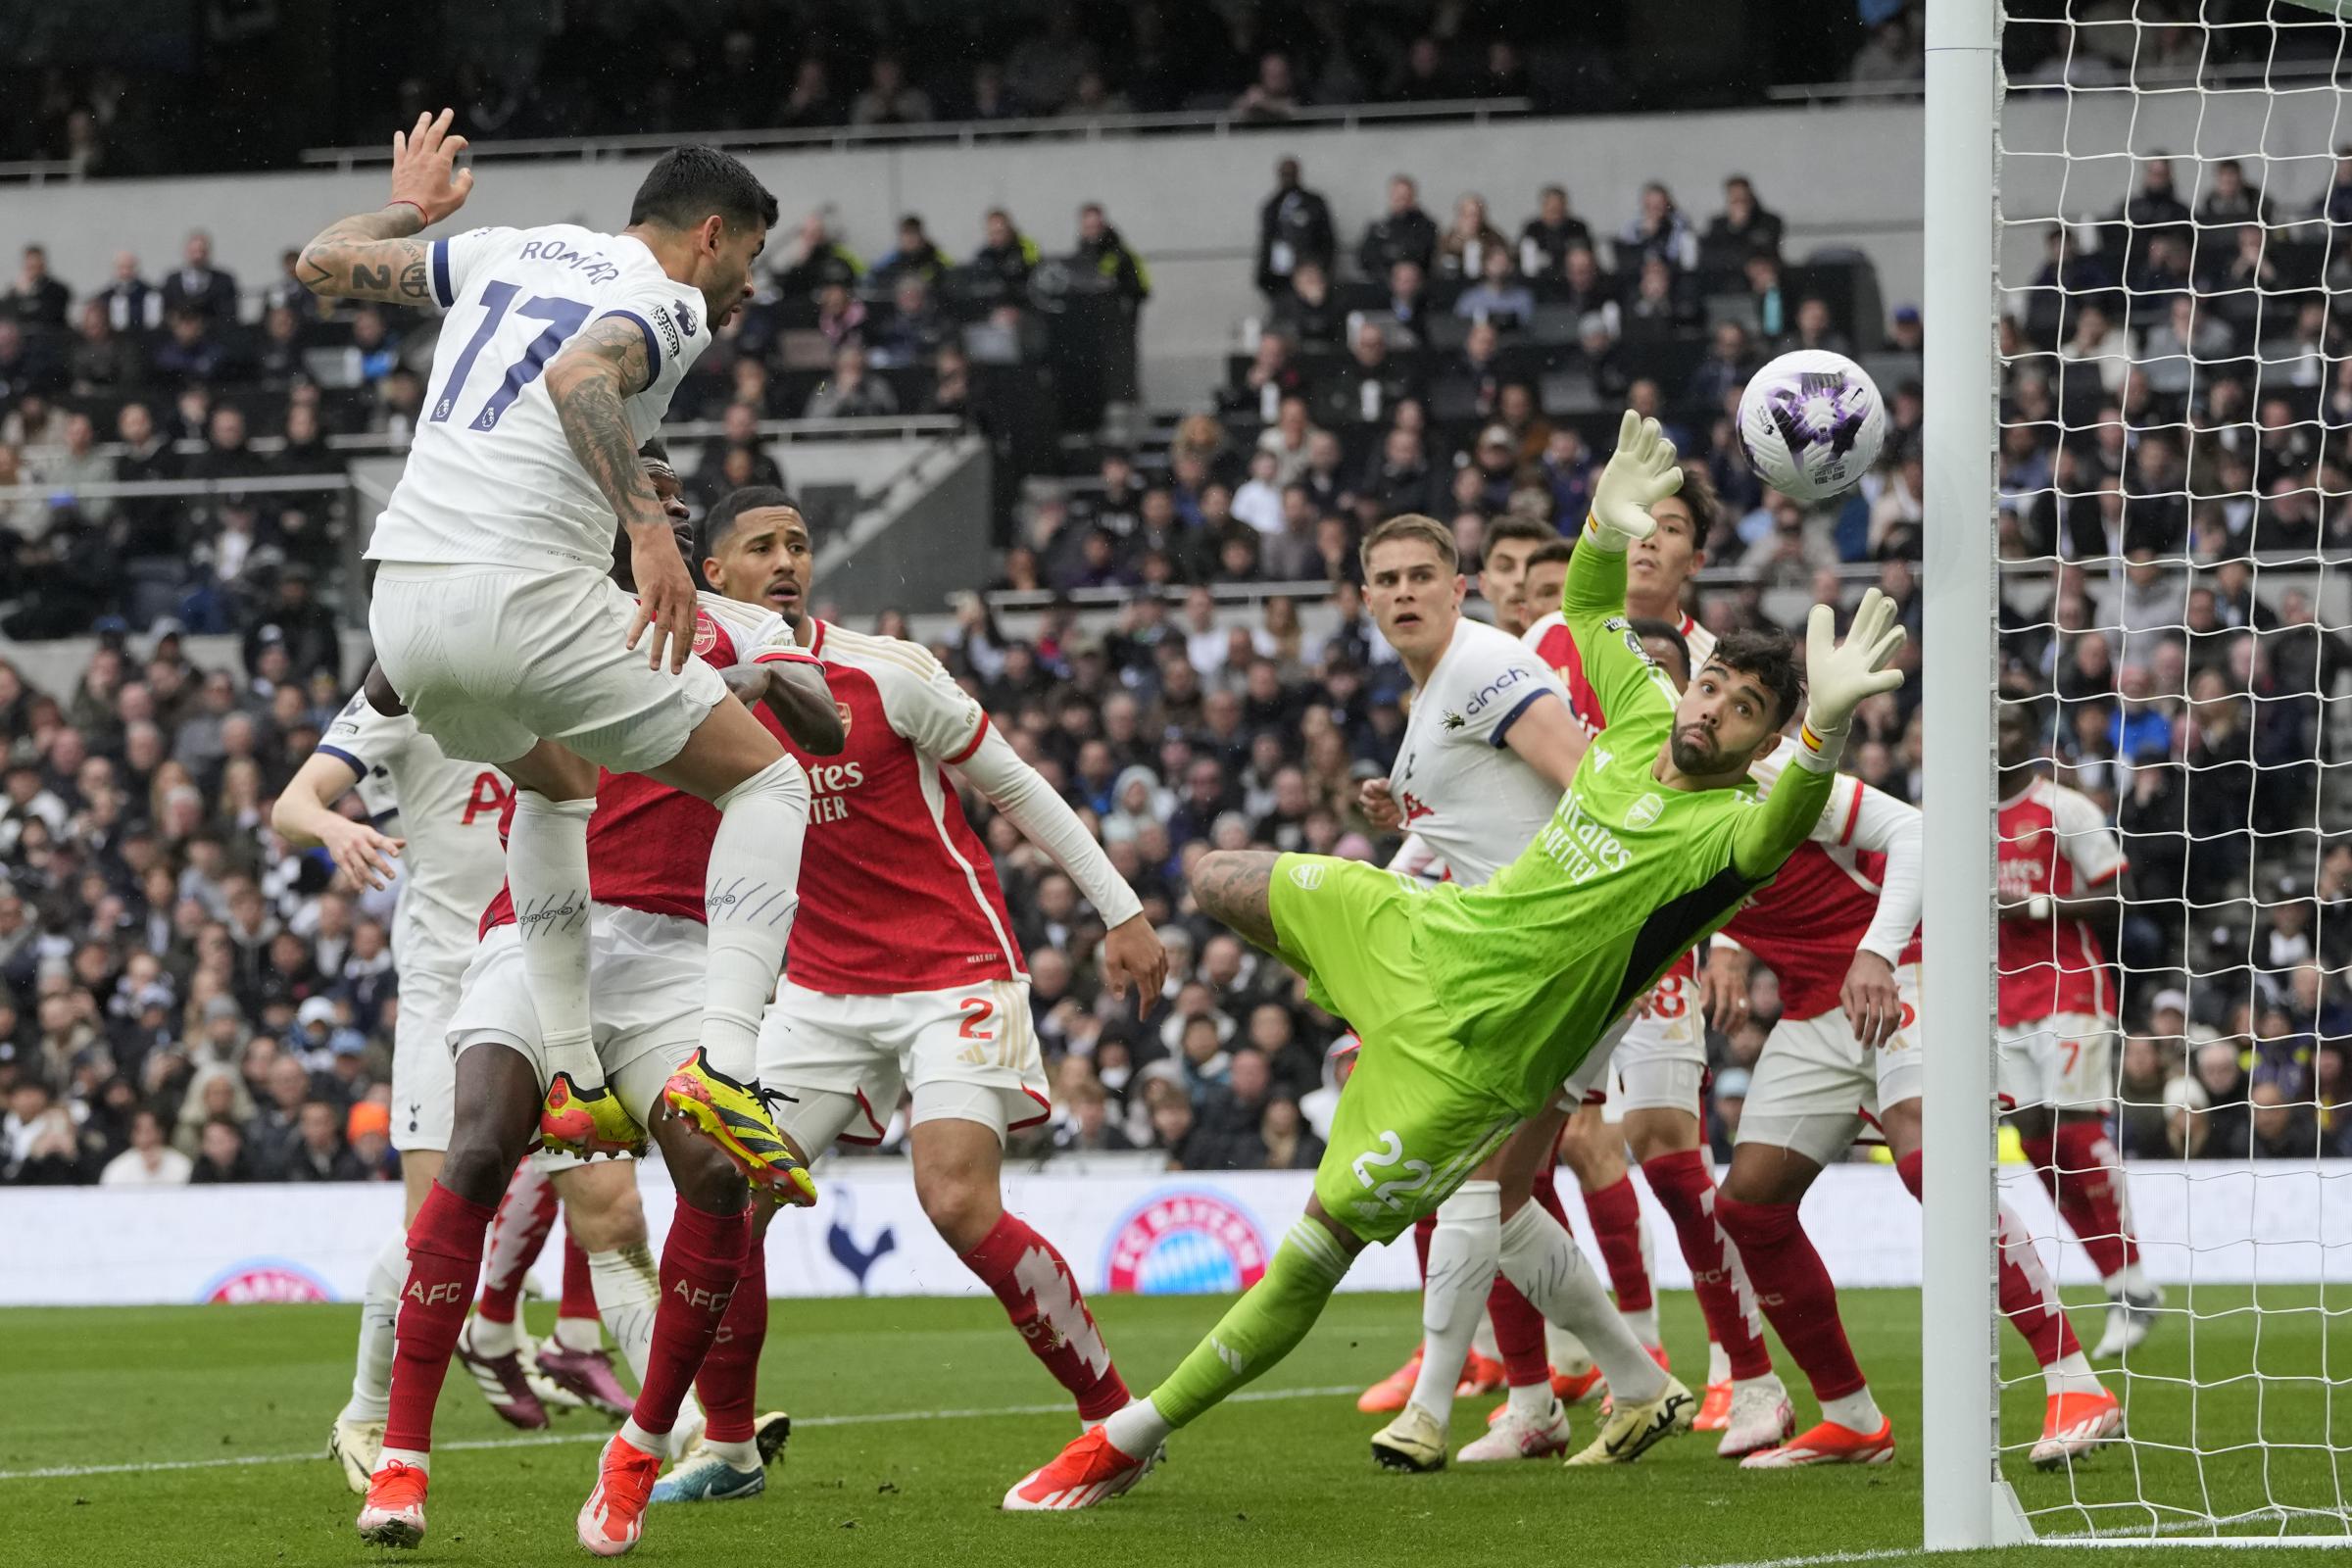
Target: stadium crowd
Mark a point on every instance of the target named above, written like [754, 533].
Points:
[180, 997]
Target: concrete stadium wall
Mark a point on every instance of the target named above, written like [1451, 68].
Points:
[1843, 176]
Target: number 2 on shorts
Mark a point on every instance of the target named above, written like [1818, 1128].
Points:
[1389, 1193]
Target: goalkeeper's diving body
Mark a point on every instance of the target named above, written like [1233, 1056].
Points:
[1474, 1005]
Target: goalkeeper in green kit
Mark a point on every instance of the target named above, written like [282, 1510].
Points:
[1475, 1005]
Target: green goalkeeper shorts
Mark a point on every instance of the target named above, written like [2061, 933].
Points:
[1410, 1129]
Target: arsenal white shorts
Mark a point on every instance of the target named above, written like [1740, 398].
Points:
[1585, 1084]
[424, 1074]
[645, 993]
[493, 659]
[1662, 1061]
[967, 1052]
[1815, 1085]
[2063, 1063]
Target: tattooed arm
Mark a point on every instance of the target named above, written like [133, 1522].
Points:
[372, 255]
[608, 361]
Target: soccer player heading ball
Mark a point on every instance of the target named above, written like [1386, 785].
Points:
[1475, 1005]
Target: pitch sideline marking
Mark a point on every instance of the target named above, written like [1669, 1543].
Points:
[1820, 1560]
[549, 1439]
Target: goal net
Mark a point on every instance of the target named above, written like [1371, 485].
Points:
[2172, 582]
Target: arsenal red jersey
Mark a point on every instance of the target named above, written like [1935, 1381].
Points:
[2053, 841]
[897, 891]
[649, 846]
[1550, 639]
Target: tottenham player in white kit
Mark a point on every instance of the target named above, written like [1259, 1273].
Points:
[904, 973]
[451, 865]
[494, 616]
[1488, 748]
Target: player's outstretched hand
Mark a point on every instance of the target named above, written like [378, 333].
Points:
[665, 599]
[361, 853]
[1838, 675]
[425, 168]
[1641, 473]
[1132, 955]
[1379, 806]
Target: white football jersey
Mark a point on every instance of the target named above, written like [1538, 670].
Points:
[1463, 792]
[448, 812]
[490, 477]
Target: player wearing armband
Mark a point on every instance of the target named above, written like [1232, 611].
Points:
[493, 614]
[1476, 1003]
[1839, 929]
[2061, 878]
[905, 974]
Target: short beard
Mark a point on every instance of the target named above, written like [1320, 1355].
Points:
[1697, 760]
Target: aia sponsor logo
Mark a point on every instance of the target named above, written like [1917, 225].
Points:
[1185, 1241]
[265, 1280]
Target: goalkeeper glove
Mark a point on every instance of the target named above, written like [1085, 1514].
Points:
[1838, 675]
[1641, 473]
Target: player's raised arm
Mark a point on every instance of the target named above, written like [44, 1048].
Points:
[608, 361]
[1838, 676]
[1642, 470]
[305, 815]
[370, 256]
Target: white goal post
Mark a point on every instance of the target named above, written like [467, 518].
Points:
[2137, 419]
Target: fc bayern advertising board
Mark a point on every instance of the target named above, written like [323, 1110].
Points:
[1123, 1230]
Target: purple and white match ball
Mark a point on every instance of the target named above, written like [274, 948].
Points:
[1811, 424]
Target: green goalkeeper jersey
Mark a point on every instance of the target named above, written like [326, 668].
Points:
[1535, 965]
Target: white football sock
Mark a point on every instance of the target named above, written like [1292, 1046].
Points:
[2071, 1374]
[636, 1437]
[1719, 1363]
[744, 1456]
[750, 898]
[1533, 1399]
[415, 1456]
[379, 1312]
[1543, 1259]
[1482, 1338]
[1137, 1429]
[1462, 1254]
[628, 1290]
[579, 1334]
[547, 872]
[1644, 1325]
[1567, 1351]
[1856, 1413]
[2130, 1280]
[485, 1337]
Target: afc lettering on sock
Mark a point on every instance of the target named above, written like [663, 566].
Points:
[435, 1295]
[700, 1300]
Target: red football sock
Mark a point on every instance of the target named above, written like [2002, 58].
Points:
[1042, 1297]
[1616, 1216]
[1518, 1335]
[1794, 1290]
[1685, 1190]
[1423, 1229]
[518, 1231]
[700, 1262]
[445, 1253]
[730, 1378]
[1547, 1191]
[580, 1287]
[2088, 1185]
[2028, 1296]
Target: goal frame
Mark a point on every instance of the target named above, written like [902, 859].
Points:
[1965, 1502]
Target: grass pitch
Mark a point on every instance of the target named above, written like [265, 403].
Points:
[183, 1437]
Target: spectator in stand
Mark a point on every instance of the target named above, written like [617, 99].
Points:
[1102, 252]
[811, 101]
[149, 1162]
[1743, 229]
[888, 99]
[1005, 254]
[319, 1153]
[2156, 206]
[1425, 77]
[916, 252]
[221, 1155]
[2234, 198]
[917, 328]
[1549, 236]
[37, 300]
[133, 303]
[815, 258]
[1814, 329]
[1293, 229]
[851, 392]
[1661, 306]
[1307, 313]
[25, 364]
[198, 285]
[1369, 384]
[1500, 296]
[1401, 233]
[1661, 232]
[1462, 249]
[1271, 377]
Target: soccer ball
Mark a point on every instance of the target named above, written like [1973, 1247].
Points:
[1811, 424]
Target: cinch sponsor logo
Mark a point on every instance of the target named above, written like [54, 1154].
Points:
[1494, 689]
[264, 1280]
[1185, 1242]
